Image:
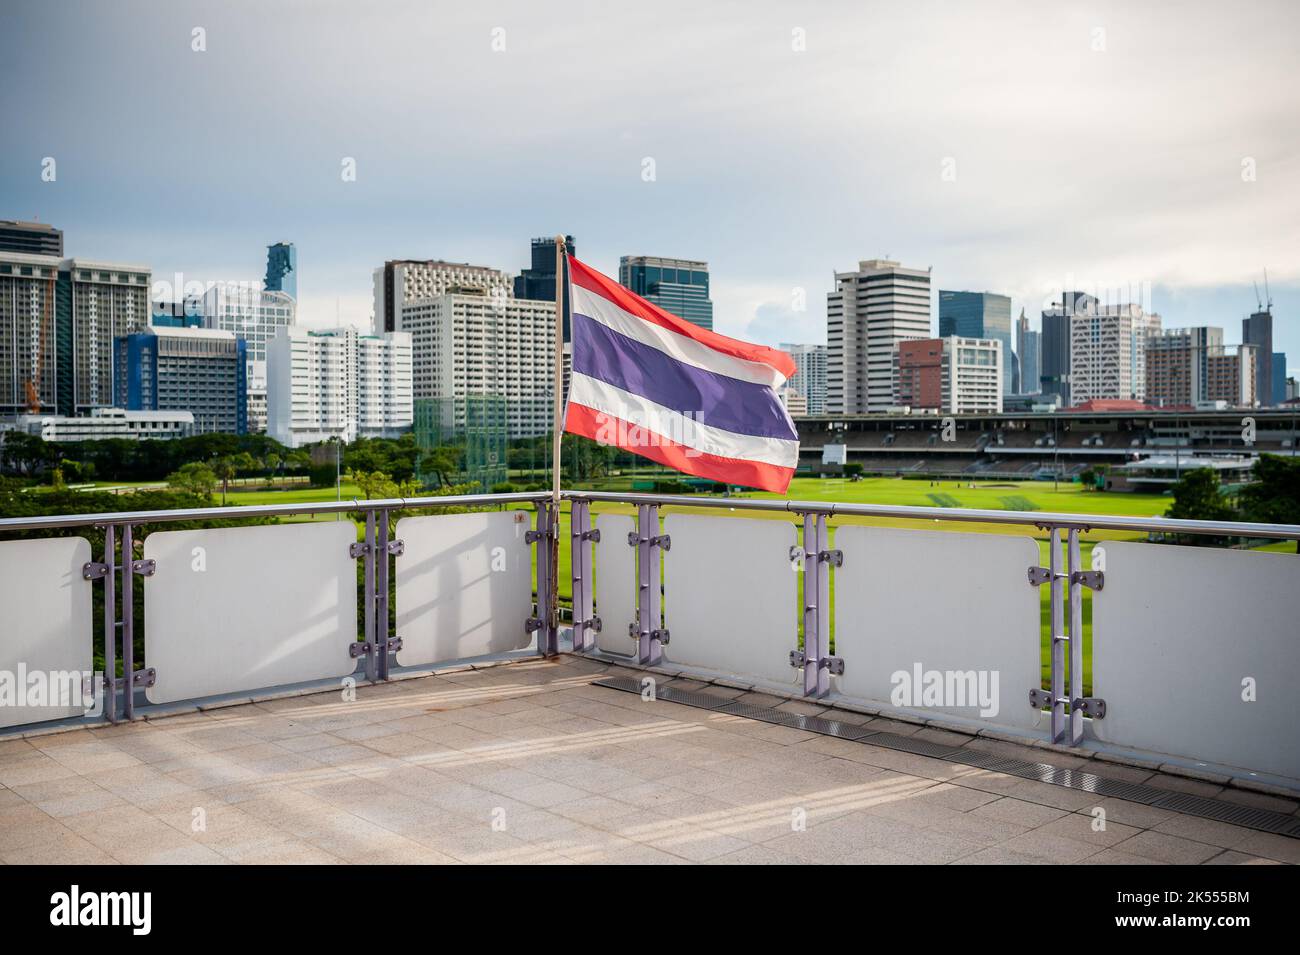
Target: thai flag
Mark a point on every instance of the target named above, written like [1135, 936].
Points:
[659, 386]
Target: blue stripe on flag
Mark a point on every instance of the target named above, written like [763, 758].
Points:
[711, 399]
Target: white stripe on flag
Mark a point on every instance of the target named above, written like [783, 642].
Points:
[684, 349]
[677, 427]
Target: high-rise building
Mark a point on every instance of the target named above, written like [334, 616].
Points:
[1177, 364]
[537, 282]
[1279, 378]
[1054, 347]
[282, 269]
[337, 384]
[979, 315]
[1108, 347]
[200, 370]
[809, 378]
[30, 335]
[32, 238]
[477, 353]
[678, 286]
[400, 281]
[1230, 376]
[1028, 358]
[868, 314]
[952, 375]
[1258, 331]
[255, 315]
[58, 320]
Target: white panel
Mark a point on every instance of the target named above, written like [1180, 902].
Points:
[616, 583]
[1175, 632]
[943, 602]
[464, 586]
[730, 596]
[44, 618]
[243, 608]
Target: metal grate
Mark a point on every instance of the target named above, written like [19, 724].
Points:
[1265, 820]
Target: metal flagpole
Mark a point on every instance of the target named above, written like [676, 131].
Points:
[558, 429]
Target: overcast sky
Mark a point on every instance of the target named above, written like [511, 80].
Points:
[1016, 147]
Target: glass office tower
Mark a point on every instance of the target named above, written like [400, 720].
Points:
[679, 286]
[282, 269]
[979, 315]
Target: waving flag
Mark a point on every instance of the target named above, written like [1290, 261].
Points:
[661, 387]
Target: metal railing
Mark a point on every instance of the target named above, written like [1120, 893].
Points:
[1064, 575]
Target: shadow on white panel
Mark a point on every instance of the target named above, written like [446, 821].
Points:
[731, 596]
[45, 633]
[464, 586]
[939, 622]
[244, 608]
[616, 583]
[1196, 651]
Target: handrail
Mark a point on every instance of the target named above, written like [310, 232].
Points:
[912, 512]
[1040, 519]
[263, 510]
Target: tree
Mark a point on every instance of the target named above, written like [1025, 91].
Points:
[195, 478]
[1198, 497]
[226, 468]
[1274, 497]
[441, 462]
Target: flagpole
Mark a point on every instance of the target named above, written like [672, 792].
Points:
[557, 428]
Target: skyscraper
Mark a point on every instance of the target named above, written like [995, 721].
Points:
[58, 319]
[337, 384]
[1258, 331]
[1054, 349]
[979, 315]
[1279, 378]
[537, 282]
[679, 286]
[282, 269]
[809, 379]
[33, 238]
[1028, 358]
[176, 368]
[1108, 349]
[868, 314]
[256, 315]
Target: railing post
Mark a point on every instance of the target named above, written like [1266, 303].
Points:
[548, 527]
[581, 537]
[128, 623]
[110, 622]
[1075, 639]
[369, 597]
[1059, 637]
[651, 637]
[381, 597]
[812, 565]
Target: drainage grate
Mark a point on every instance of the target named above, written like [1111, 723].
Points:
[1220, 810]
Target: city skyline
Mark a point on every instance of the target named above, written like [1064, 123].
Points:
[976, 183]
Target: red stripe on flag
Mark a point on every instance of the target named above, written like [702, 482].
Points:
[593, 424]
[593, 281]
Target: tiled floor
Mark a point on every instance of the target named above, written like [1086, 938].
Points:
[529, 763]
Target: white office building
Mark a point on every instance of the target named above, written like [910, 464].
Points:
[809, 378]
[100, 424]
[256, 316]
[337, 384]
[482, 358]
[1108, 352]
[868, 314]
